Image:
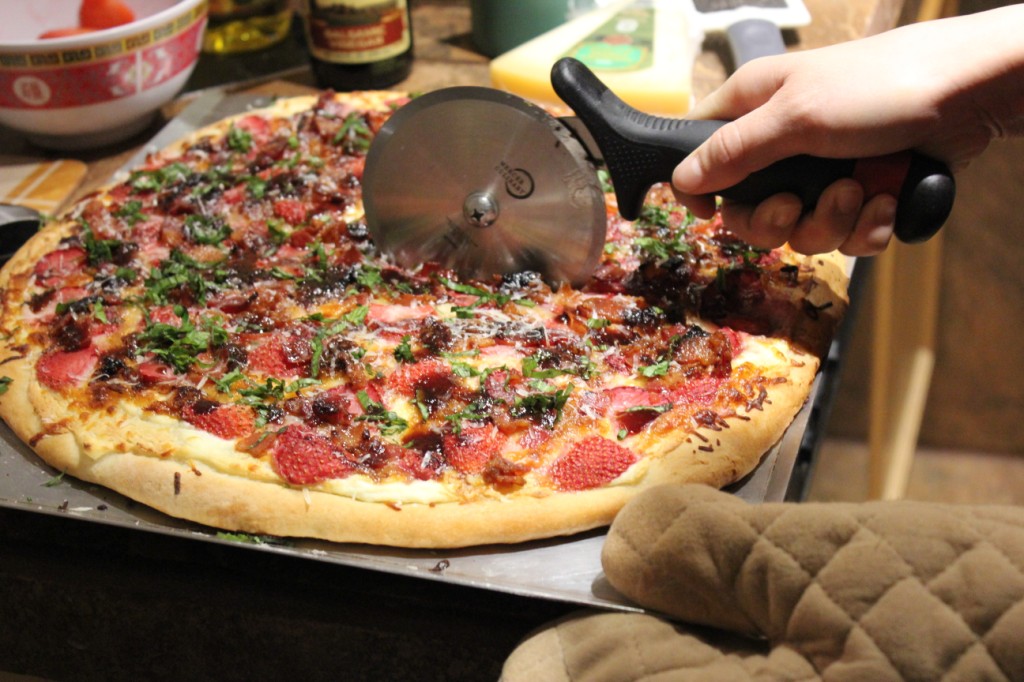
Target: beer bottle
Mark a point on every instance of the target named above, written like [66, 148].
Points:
[359, 44]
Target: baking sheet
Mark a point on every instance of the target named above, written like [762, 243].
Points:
[562, 569]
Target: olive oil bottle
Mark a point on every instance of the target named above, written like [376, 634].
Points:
[246, 25]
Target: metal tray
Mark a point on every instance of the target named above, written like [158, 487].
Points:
[562, 569]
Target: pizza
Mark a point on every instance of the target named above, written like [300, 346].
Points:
[215, 335]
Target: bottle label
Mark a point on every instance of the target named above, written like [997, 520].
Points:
[358, 31]
[623, 43]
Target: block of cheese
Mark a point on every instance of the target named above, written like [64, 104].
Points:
[642, 49]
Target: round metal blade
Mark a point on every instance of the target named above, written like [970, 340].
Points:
[484, 183]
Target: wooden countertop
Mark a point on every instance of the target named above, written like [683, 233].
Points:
[83, 601]
[445, 56]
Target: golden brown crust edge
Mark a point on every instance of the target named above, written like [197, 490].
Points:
[828, 298]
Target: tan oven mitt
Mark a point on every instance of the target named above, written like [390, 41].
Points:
[872, 591]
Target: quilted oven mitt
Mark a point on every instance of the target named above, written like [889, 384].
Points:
[830, 591]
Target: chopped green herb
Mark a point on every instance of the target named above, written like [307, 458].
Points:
[354, 135]
[530, 364]
[256, 186]
[204, 229]
[357, 315]
[151, 180]
[389, 422]
[131, 212]
[354, 317]
[420, 405]
[665, 407]
[273, 388]
[548, 399]
[369, 277]
[276, 229]
[403, 351]
[251, 539]
[658, 369]
[655, 216]
[180, 346]
[239, 139]
[181, 272]
[5, 383]
[475, 411]
[98, 312]
[484, 297]
[98, 250]
[225, 383]
[461, 369]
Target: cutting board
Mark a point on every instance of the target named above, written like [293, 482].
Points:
[42, 185]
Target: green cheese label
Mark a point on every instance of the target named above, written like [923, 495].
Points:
[623, 43]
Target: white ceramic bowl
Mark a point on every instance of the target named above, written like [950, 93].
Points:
[93, 89]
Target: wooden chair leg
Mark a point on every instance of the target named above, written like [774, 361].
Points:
[906, 297]
[906, 303]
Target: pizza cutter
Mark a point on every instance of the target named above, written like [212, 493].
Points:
[486, 183]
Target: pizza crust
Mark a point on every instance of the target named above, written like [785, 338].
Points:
[148, 471]
[197, 492]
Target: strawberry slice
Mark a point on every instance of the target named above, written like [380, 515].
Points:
[432, 376]
[291, 211]
[277, 357]
[697, 391]
[223, 421]
[99, 14]
[61, 369]
[633, 407]
[54, 267]
[301, 456]
[152, 372]
[590, 463]
[468, 451]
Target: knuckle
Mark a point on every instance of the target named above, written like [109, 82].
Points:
[727, 146]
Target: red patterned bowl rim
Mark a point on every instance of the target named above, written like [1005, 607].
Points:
[130, 62]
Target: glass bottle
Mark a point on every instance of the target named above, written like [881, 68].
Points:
[359, 44]
[246, 25]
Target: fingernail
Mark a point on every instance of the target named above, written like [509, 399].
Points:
[878, 238]
[885, 219]
[786, 216]
[886, 211]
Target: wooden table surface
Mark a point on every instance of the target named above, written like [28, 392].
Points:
[82, 601]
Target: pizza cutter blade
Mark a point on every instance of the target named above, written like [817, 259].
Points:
[483, 182]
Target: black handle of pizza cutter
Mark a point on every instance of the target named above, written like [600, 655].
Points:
[641, 150]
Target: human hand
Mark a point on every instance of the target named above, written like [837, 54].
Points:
[945, 88]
